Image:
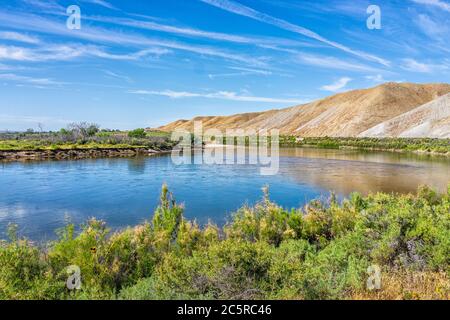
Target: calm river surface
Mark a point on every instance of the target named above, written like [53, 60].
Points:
[38, 196]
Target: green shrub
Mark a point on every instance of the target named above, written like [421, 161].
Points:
[137, 133]
[24, 273]
[337, 269]
[321, 251]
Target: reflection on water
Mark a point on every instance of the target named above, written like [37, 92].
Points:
[39, 195]
[348, 171]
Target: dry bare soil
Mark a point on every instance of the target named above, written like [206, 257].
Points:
[355, 113]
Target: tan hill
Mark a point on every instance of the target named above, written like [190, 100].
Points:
[343, 115]
[431, 120]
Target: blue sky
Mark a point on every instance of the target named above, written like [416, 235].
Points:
[145, 63]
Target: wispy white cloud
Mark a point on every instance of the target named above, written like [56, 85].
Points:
[118, 76]
[185, 31]
[222, 95]
[378, 78]
[441, 4]
[334, 63]
[68, 52]
[15, 53]
[46, 5]
[242, 10]
[52, 6]
[242, 72]
[263, 42]
[98, 52]
[40, 24]
[102, 3]
[30, 80]
[18, 37]
[420, 67]
[430, 27]
[255, 71]
[337, 85]
[413, 65]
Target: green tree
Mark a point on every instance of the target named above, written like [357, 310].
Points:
[137, 133]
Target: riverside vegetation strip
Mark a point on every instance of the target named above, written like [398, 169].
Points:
[321, 251]
[416, 145]
[428, 146]
[83, 136]
[82, 141]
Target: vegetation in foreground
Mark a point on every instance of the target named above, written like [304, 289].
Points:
[322, 251]
[84, 136]
[426, 145]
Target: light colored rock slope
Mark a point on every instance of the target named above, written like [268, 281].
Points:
[343, 115]
[431, 120]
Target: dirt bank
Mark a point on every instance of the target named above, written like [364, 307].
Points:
[61, 154]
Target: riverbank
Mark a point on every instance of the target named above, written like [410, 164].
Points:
[378, 149]
[76, 153]
[71, 144]
[440, 147]
[383, 246]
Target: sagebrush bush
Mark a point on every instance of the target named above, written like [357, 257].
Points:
[321, 251]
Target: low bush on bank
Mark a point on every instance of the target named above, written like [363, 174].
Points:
[84, 136]
[321, 251]
[389, 144]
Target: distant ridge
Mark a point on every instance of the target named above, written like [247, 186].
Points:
[350, 114]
